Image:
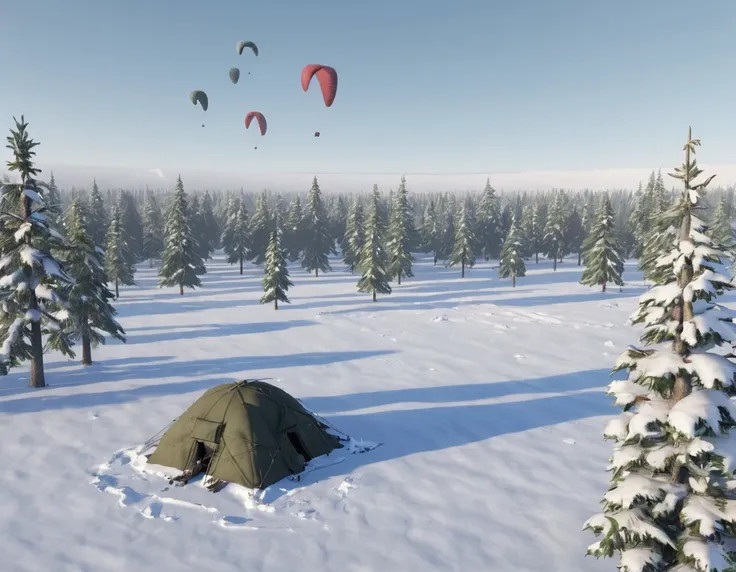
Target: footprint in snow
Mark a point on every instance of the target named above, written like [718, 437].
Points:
[440, 319]
[155, 510]
[346, 485]
[94, 416]
[568, 441]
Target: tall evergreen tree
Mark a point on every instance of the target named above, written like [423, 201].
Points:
[601, 253]
[276, 281]
[462, 253]
[400, 235]
[153, 229]
[90, 311]
[720, 229]
[31, 279]
[432, 231]
[554, 230]
[533, 230]
[574, 234]
[671, 505]
[97, 216]
[260, 225]
[318, 243]
[181, 264]
[131, 225]
[354, 236]
[374, 259]
[238, 246]
[294, 232]
[210, 228]
[512, 255]
[52, 200]
[119, 265]
[233, 205]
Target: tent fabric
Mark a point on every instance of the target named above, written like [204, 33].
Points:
[250, 433]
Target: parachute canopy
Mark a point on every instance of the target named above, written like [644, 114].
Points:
[258, 116]
[198, 96]
[234, 75]
[243, 45]
[327, 78]
[316, 133]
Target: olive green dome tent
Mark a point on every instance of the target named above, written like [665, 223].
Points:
[250, 433]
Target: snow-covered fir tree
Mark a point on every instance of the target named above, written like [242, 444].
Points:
[153, 229]
[131, 225]
[119, 266]
[602, 256]
[52, 200]
[318, 243]
[554, 230]
[260, 230]
[31, 279]
[352, 244]
[181, 264]
[431, 231]
[462, 253]
[210, 228]
[374, 259]
[97, 216]
[238, 244]
[276, 282]
[671, 505]
[233, 204]
[489, 223]
[400, 235]
[90, 311]
[196, 226]
[512, 255]
[294, 230]
[574, 234]
[447, 239]
[720, 229]
[533, 230]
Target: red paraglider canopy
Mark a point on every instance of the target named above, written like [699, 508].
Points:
[258, 116]
[327, 78]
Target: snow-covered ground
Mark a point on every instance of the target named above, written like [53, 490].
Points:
[488, 403]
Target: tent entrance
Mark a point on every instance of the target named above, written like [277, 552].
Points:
[298, 445]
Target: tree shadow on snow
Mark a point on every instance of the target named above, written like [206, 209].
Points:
[220, 370]
[409, 432]
[177, 333]
[179, 305]
[445, 301]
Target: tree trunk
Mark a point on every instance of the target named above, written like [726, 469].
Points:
[554, 262]
[604, 286]
[513, 280]
[86, 349]
[374, 295]
[275, 303]
[399, 282]
[536, 256]
[117, 288]
[462, 269]
[181, 289]
[435, 258]
[580, 256]
[150, 262]
[38, 378]
[240, 258]
[316, 272]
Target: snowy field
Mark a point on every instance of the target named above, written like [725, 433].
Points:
[488, 401]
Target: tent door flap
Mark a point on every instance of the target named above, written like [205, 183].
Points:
[207, 431]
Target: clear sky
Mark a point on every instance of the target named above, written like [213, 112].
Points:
[458, 86]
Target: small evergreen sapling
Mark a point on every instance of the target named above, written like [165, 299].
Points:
[31, 279]
[512, 255]
[601, 254]
[276, 281]
[181, 263]
[374, 260]
[90, 311]
[671, 505]
[238, 248]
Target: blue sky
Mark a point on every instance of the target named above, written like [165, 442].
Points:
[425, 86]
